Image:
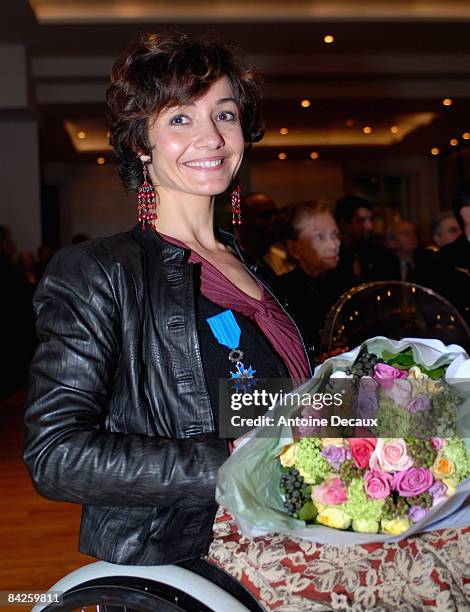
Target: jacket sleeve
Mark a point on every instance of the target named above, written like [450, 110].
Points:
[70, 454]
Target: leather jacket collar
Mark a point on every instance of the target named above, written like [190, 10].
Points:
[171, 254]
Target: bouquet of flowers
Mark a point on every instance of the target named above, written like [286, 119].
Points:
[405, 472]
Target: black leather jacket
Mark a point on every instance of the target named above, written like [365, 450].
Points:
[118, 416]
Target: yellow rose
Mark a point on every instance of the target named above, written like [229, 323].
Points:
[332, 516]
[443, 467]
[395, 526]
[288, 455]
[335, 441]
[415, 372]
[450, 484]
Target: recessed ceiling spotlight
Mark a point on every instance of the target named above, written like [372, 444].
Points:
[81, 135]
[466, 135]
[394, 129]
[329, 38]
[305, 103]
[283, 131]
[367, 129]
[447, 101]
[435, 151]
[282, 156]
[100, 160]
[453, 142]
[314, 155]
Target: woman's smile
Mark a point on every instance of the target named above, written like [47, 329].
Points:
[207, 163]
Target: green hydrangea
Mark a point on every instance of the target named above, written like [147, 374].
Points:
[313, 467]
[392, 420]
[456, 451]
[359, 506]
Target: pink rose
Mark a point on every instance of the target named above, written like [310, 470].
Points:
[400, 392]
[330, 493]
[385, 374]
[437, 443]
[412, 481]
[391, 455]
[361, 450]
[377, 484]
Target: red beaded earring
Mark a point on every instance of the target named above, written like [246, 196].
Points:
[236, 209]
[146, 201]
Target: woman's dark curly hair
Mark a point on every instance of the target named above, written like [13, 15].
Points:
[171, 69]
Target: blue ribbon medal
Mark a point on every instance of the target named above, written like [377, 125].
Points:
[227, 332]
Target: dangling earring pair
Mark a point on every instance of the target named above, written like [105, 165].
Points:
[147, 200]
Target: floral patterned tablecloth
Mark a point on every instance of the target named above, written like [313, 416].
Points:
[286, 574]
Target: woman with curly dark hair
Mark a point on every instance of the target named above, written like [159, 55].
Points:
[136, 329]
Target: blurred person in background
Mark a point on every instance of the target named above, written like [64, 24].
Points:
[361, 256]
[27, 268]
[414, 263]
[445, 229]
[257, 234]
[456, 255]
[312, 239]
[16, 318]
[44, 253]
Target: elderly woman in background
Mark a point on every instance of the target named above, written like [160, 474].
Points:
[312, 238]
[137, 329]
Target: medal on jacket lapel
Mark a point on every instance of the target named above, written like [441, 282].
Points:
[227, 332]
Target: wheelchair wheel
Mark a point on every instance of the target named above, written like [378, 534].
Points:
[127, 594]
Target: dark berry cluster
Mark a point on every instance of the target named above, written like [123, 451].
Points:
[364, 364]
[423, 501]
[395, 508]
[348, 471]
[295, 491]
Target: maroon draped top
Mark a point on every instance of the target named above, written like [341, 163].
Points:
[277, 327]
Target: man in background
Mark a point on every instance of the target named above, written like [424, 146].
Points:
[445, 229]
[361, 256]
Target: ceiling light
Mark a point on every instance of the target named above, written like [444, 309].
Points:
[314, 155]
[447, 101]
[282, 156]
[100, 161]
[284, 131]
[367, 129]
[305, 103]
[329, 38]
[394, 129]
[453, 142]
[435, 151]
[466, 135]
[81, 135]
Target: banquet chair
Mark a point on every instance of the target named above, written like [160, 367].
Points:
[394, 309]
